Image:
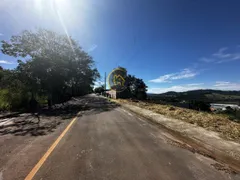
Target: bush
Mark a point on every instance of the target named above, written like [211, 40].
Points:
[4, 104]
[199, 105]
[10, 100]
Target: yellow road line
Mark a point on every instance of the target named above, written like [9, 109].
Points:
[49, 151]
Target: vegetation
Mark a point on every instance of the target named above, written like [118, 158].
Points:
[232, 113]
[208, 96]
[198, 99]
[137, 87]
[53, 68]
[99, 89]
[199, 105]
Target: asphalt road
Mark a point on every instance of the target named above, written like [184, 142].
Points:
[107, 142]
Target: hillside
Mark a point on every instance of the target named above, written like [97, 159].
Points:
[213, 96]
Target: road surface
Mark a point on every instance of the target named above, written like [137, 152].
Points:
[107, 142]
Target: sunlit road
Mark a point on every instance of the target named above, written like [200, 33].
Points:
[111, 143]
[108, 142]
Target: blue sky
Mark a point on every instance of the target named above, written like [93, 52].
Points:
[173, 45]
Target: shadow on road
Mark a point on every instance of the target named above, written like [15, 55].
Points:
[27, 124]
[98, 105]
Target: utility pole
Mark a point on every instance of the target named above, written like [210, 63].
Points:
[105, 81]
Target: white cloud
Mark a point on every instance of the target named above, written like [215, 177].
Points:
[218, 85]
[184, 74]
[177, 88]
[1, 34]
[221, 53]
[195, 84]
[162, 79]
[222, 56]
[207, 60]
[225, 85]
[98, 83]
[233, 57]
[221, 83]
[92, 48]
[6, 62]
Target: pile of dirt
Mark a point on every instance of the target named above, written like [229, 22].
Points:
[214, 122]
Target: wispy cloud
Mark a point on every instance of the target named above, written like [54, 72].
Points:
[6, 62]
[207, 60]
[184, 74]
[218, 85]
[195, 84]
[226, 85]
[221, 83]
[222, 55]
[1, 34]
[176, 88]
[92, 48]
[98, 84]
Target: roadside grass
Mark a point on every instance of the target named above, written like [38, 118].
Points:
[4, 104]
[214, 122]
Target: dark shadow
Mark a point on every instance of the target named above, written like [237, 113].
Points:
[99, 105]
[88, 103]
[47, 120]
[10, 115]
[29, 126]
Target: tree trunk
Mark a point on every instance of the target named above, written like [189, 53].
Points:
[49, 100]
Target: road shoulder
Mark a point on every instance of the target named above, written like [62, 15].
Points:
[204, 141]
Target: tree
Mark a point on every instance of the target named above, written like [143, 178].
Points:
[54, 64]
[199, 105]
[137, 87]
[99, 89]
[13, 93]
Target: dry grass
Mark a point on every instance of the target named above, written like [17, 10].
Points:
[213, 122]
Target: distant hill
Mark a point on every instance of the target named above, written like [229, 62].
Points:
[208, 95]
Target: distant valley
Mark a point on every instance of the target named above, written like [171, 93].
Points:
[208, 96]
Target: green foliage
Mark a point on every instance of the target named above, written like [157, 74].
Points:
[203, 95]
[137, 87]
[99, 89]
[199, 105]
[55, 67]
[231, 113]
[4, 104]
[13, 92]
[13, 100]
